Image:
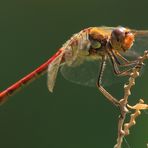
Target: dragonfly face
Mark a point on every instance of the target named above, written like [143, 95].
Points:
[121, 39]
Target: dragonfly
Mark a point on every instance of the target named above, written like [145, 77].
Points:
[84, 57]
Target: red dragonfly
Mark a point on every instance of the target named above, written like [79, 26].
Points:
[79, 58]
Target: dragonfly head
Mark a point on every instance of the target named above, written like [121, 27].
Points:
[122, 39]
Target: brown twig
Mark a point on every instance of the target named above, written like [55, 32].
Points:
[139, 106]
[124, 103]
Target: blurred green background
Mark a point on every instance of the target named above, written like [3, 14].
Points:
[73, 116]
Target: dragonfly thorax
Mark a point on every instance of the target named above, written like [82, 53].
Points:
[98, 40]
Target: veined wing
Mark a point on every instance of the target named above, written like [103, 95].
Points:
[86, 73]
[53, 70]
[141, 41]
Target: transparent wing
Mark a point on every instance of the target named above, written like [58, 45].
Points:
[141, 41]
[87, 73]
[52, 71]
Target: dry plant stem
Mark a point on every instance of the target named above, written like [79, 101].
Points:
[131, 122]
[139, 106]
[123, 103]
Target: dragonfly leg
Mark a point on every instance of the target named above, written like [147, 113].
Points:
[101, 88]
[116, 69]
[126, 62]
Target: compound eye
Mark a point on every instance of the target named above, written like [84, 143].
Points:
[118, 34]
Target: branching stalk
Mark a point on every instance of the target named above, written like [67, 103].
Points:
[124, 128]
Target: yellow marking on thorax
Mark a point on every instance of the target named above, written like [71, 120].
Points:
[97, 33]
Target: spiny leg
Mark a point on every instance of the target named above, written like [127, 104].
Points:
[114, 56]
[116, 68]
[126, 62]
[101, 88]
